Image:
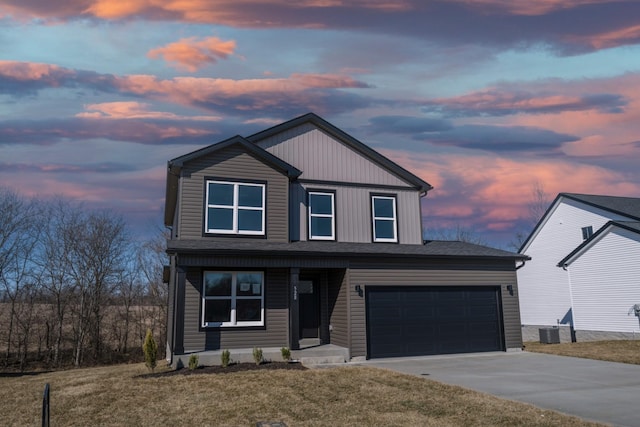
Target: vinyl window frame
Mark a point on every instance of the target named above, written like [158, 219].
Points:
[375, 218]
[234, 298]
[235, 207]
[311, 215]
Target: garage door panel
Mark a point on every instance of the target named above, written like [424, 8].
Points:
[410, 321]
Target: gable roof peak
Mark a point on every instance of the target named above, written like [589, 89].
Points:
[348, 140]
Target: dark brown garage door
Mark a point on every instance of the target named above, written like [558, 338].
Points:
[415, 321]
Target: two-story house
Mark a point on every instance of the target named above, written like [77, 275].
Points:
[584, 269]
[302, 235]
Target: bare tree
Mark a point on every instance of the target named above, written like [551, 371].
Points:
[151, 259]
[459, 233]
[536, 208]
[18, 239]
[59, 226]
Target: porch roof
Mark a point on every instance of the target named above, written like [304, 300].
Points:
[430, 249]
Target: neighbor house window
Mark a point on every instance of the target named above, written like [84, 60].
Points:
[587, 232]
[322, 221]
[383, 210]
[234, 208]
[232, 298]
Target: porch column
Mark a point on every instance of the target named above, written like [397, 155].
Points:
[179, 311]
[294, 309]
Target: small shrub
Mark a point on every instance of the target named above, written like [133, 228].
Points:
[150, 350]
[194, 361]
[286, 354]
[257, 355]
[225, 358]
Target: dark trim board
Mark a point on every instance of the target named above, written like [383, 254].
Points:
[429, 320]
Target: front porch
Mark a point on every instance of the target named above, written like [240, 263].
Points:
[307, 355]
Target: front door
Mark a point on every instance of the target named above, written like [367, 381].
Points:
[309, 309]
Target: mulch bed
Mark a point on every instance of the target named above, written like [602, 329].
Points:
[235, 367]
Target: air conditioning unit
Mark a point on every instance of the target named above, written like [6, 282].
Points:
[549, 335]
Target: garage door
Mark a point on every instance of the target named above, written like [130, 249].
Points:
[414, 321]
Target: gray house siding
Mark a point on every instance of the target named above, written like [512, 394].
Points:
[275, 333]
[338, 307]
[232, 163]
[322, 157]
[416, 276]
[353, 212]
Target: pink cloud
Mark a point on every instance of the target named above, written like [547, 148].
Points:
[29, 71]
[192, 53]
[133, 110]
[493, 192]
[528, 7]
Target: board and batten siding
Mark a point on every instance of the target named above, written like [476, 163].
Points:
[321, 157]
[231, 163]
[354, 221]
[372, 276]
[544, 287]
[275, 333]
[605, 283]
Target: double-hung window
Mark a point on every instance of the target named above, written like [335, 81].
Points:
[235, 208]
[233, 298]
[322, 221]
[383, 209]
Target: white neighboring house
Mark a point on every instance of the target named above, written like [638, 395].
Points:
[584, 272]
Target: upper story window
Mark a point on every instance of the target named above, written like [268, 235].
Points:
[322, 220]
[587, 232]
[233, 298]
[235, 208]
[383, 209]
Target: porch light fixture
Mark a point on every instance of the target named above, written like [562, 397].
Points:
[359, 290]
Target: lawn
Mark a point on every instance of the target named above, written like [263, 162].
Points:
[343, 396]
[612, 351]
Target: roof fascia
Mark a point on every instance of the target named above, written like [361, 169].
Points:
[595, 205]
[352, 142]
[584, 246]
[175, 166]
[257, 151]
[597, 236]
[552, 207]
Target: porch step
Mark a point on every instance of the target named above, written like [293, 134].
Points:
[321, 360]
[321, 355]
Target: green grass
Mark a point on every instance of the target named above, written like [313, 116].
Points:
[344, 396]
[612, 351]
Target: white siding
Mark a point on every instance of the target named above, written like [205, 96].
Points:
[544, 287]
[605, 283]
[321, 157]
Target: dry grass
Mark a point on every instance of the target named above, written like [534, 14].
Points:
[612, 351]
[118, 396]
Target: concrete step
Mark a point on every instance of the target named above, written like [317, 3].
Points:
[321, 360]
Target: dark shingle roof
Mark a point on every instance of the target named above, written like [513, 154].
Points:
[431, 249]
[633, 226]
[628, 206]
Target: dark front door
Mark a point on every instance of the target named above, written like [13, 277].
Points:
[309, 309]
[413, 321]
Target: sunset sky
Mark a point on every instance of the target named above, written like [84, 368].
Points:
[483, 99]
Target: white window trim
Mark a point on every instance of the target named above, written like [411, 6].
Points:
[374, 218]
[332, 216]
[235, 207]
[233, 323]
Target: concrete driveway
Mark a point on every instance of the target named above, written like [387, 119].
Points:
[599, 391]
